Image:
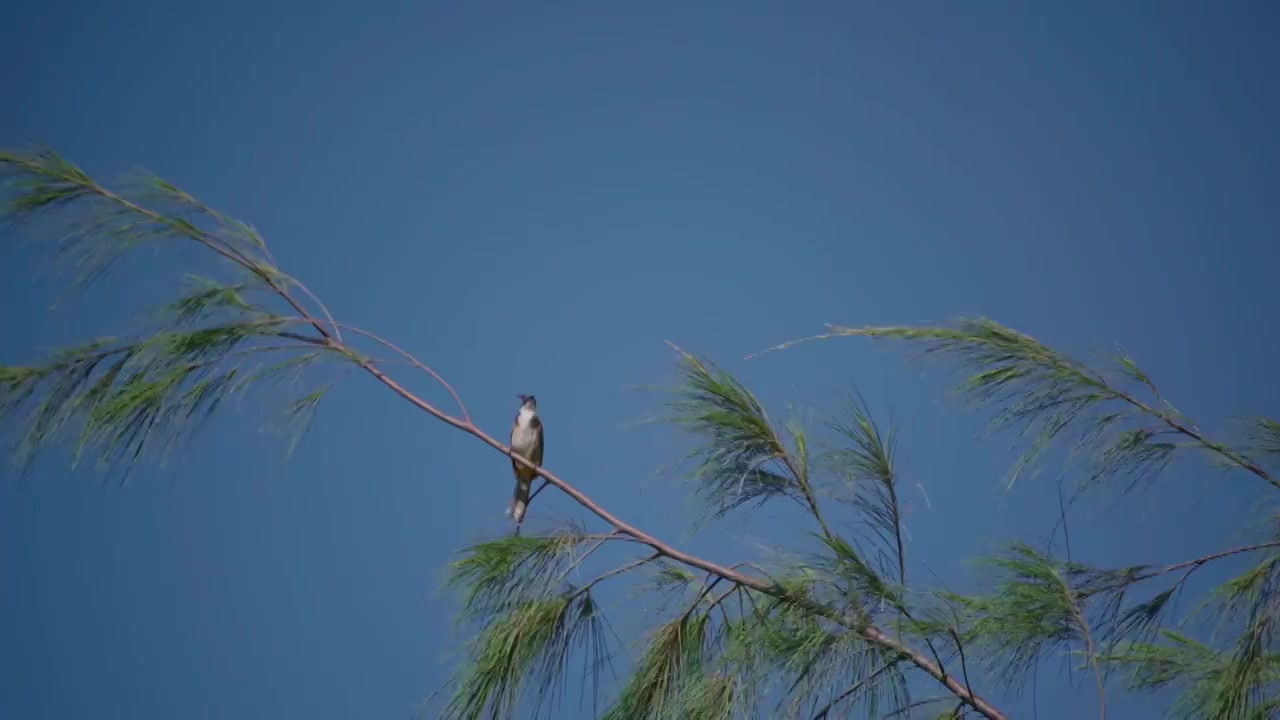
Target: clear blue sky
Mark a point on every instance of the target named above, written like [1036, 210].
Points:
[532, 198]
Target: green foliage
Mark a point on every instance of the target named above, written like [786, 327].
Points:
[1214, 686]
[865, 459]
[742, 459]
[673, 662]
[523, 652]
[498, 575]
[1046, 396]
[1028, 611]
[1264, 436]
[129, 400]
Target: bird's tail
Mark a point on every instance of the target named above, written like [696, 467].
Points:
[519, 500]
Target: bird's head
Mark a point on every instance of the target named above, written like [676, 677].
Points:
[528, 402]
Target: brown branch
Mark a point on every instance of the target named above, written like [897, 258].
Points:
[1197, 562]
[616, 571]
[1090, 654]
[1193, 433]
[416, 363]
[328, 315]
[868, 632]
[586, 555]
[1192, 564]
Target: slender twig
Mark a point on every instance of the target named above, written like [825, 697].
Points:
[706, 589]
[909, 706]
[1195, 434]
[964, 664]
[902, 566]
[1196, 563]
[1207, 558]
[1090, 654]
[803, 481]
[855, 688]
[414, 362]
[585, 555]
[615, 571]
[337, 333]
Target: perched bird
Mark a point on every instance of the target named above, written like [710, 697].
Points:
[526, 440]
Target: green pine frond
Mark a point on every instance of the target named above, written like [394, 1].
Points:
[674, 660]
[863, 588]
[92, 227]
[1214, 685]
[1254, 593]
[836, 672]
[520, 659]
[1264, 436]
[714, 696]
[132, 401]
[205, 298]
[1039, 393]
[866, 462]
[741, 459]
[1029, 610]
[498, 575]
[669, 575]
[1139, 622]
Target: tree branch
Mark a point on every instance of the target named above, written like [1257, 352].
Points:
[868, 632]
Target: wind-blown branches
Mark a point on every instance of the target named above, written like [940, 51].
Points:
[1033, 608]
[1038, 605]
[523, 633]
[737, 653]
[1212, 682]
[1263, 437]
[130, 400]
[1046, 395]
[743, 458]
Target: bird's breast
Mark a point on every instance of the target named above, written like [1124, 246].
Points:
[524, 437]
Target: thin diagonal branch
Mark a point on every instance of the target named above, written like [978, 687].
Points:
[416, 363]
[870, 679]
[616, 571]
[868, 632]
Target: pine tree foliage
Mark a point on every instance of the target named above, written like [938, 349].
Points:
[835, 626]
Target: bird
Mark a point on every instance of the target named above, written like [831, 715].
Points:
[526, 440]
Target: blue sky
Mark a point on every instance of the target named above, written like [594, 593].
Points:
[532, 199]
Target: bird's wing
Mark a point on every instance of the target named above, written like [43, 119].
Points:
[542, 442]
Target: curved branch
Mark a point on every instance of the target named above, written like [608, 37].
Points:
[466, 416]
[868, 632]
